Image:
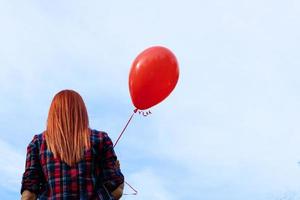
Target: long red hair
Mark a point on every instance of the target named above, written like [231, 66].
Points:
[68, 133]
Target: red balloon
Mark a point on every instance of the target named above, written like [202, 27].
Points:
[153, 75]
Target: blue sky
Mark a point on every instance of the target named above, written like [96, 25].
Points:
[229, 131]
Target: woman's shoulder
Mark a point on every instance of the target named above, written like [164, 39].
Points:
[35, 141]
[97, 135]
[99, 140]
[37, 138]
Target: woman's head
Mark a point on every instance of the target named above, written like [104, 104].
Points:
[67, 133]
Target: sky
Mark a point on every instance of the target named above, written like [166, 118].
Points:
[229, 131]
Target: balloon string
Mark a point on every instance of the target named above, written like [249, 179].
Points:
[135, 191]
[134, 111]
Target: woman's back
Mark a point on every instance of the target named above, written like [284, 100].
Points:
[95, 176]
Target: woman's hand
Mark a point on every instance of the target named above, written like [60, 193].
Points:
[118, 164]
[117, 193]
[27, 195]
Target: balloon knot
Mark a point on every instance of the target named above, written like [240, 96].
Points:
[145, 113]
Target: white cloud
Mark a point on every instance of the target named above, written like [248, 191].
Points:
[12, 166]
[149, 186]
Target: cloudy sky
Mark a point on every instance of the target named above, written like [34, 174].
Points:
[229, 131]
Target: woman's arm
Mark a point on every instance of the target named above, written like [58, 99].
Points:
[27, 195]
[117, 193]
[32, 177]
[113, 178]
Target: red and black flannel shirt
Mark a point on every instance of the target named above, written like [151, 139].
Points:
[94, 177]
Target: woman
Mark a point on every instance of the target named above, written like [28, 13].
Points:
[69, 160]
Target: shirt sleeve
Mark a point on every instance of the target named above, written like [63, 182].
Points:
[112, 175]
[32, 177]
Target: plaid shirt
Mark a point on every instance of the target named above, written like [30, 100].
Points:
[94, 177]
